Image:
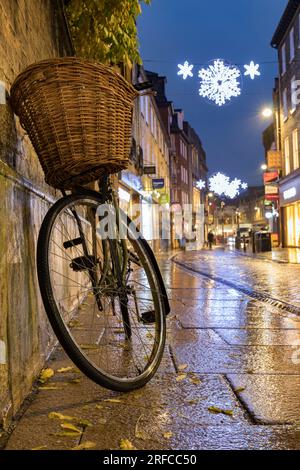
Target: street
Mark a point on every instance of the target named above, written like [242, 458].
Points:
[230, 377]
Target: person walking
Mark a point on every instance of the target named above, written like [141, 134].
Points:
[210, 239]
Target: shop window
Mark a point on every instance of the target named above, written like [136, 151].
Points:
[287, 156]
[295, 150]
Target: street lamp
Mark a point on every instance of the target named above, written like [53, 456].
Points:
[264, 167]
[267, 113]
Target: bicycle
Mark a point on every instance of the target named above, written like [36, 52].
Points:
[102, 289]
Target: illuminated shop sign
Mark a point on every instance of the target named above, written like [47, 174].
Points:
[289, 193]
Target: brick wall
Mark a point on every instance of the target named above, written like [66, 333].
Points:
[30, 30]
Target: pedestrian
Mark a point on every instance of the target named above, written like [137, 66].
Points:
[210, 239]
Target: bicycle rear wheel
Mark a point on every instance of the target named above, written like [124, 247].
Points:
[113, 331]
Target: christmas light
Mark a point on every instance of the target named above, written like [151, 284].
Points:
[185, 70]
[221, 185]
[219, 82]
[200, 184]
[252, 70]
[218, 183]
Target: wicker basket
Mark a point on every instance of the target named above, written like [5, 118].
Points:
[78, 115]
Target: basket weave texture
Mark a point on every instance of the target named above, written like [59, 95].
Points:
[78, 115]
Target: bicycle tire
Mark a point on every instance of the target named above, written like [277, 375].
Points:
[59, 327]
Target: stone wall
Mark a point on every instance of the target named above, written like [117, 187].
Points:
[30, 30]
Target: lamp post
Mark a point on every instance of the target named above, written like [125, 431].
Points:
[222, 212]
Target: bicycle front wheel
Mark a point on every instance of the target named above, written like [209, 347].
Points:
[103, 299]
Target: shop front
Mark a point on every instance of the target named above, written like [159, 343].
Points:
[289, 192]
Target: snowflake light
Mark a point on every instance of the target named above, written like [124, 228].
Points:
[219, 82]
[185, 70]
[218, 183]
[252, 70]
[221, 185]
[200, 184]
[232, 190]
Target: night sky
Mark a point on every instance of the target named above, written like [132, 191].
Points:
[172, 31]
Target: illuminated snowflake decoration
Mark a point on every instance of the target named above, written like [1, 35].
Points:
[218, 183]
[252, 70]
[232, 190]
[221, 185]
[200, 184]
[185, 70]
[219, 82]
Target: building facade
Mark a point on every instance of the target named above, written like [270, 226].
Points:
[286, 40]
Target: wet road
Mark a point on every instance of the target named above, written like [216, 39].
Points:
[230, 377]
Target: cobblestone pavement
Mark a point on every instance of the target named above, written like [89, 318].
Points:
[230, 378]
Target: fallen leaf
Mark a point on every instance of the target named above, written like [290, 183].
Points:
[182, 366]
[180, 377]
[241, 389]
[99, 407]
[215, 409]
[193, 402]
[113, 400]
[66, 434]
[39, 448]
[56, 415]
[50, 387]
[83, 422]
[195, 380]
[71, 427]
[45, 375]
[89, 346]
[62, 370]
[125, 444]
[74, 381]
[168, 435]
[149, 335]
[102, 421]
[85, 445]
[74, 323]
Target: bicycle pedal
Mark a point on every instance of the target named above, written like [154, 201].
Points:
[83, 263]
[148, 317]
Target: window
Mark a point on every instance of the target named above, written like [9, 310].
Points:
[285, 104]
[283, 59]
[292, 44]
[293, 95]
[147, 109]
[287, 155]
[295, 150]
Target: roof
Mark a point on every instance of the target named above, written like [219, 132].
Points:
[285, 22]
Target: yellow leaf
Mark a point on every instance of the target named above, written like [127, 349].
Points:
[241, 389]
[65, 369]
[195, 381]
[85, 445]
[99, 407]
[168, 435]
[113, 400]
[55, 415]
[182, 366]
[39, 448]
[89, 346]
[45, 375]
[180, 377]
[70, 427]
[50, 387]
[215, 409]
[125, 444]
[83, 422]
[66, 434]
[193, 402]
[74, 381]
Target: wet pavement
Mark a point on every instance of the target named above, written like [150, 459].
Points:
[230, 377]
